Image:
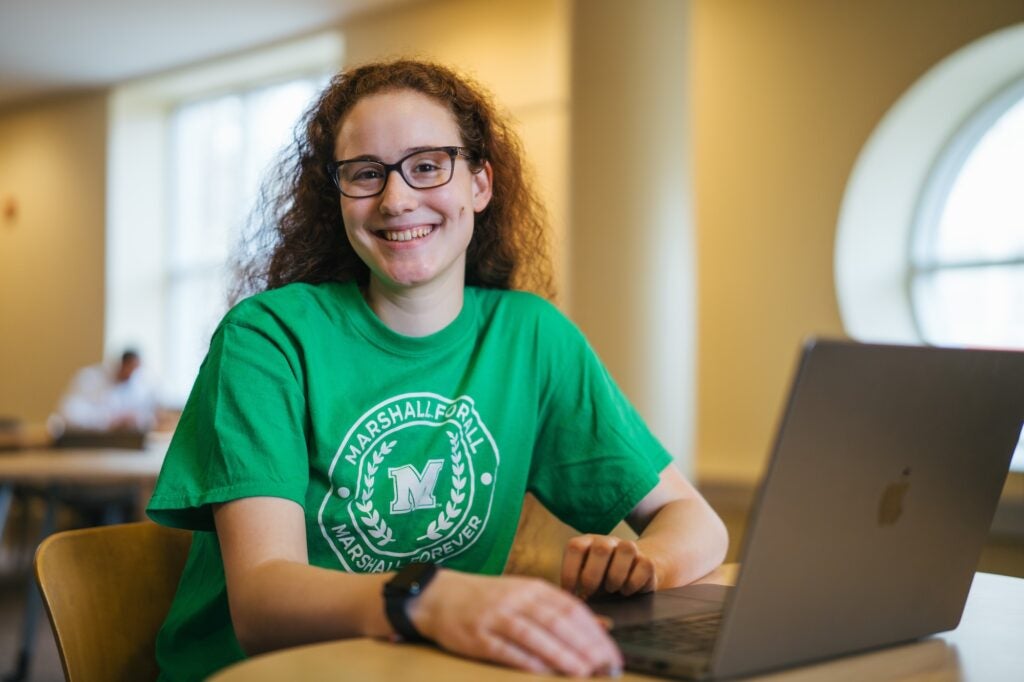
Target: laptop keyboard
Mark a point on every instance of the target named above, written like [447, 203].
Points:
[682, 634]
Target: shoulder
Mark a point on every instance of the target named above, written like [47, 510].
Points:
[524, 316]
[93, 375]
[520, 305]
[99, 370]
[287, 318]
[294, 304]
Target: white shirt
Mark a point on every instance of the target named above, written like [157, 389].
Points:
[96, 401]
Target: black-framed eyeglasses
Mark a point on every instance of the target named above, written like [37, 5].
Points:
[423, 169]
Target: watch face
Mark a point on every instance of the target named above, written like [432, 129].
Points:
[412, 578]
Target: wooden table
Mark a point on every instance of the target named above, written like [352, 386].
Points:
[46, 467]
[988, 646]
[82, 466]
[51, 470]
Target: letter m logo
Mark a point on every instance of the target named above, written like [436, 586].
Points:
[414, 490]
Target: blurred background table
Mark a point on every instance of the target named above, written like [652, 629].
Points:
[107, 478]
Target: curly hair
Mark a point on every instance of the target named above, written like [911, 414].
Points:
[299, 232]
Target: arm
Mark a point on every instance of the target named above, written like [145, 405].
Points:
[277, 599]
[680, 540]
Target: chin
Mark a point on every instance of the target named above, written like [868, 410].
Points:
[407, 278]
[416, 272]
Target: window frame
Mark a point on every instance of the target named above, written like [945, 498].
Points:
[938, 184]
[898, 175]
[139, 172]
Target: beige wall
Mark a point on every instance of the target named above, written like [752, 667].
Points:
[786, 94]
[52, 164]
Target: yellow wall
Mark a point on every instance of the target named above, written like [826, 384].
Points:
[786, 93]
[52, 164]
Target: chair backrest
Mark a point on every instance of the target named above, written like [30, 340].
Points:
[107, 591]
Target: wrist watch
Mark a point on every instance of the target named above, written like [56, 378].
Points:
[407, 584]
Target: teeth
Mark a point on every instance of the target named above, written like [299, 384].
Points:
[406, 235]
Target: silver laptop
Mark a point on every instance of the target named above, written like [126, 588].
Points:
[887, 468]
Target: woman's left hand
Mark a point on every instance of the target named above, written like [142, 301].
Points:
[594, 563]
[681, 539]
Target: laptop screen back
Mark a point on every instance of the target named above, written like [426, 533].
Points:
[885, 475]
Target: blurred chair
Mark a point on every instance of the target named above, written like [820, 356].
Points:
[10, 432]
[107, 591]
[92, 505]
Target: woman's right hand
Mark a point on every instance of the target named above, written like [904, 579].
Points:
[520, 622]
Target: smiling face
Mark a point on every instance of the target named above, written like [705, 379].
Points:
[410, 238]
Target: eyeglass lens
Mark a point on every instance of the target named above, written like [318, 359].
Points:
[422, 170]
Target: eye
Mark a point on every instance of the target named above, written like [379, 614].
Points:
[361, 172]
[426, 167]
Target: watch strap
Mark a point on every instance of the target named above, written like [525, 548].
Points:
[407, 585]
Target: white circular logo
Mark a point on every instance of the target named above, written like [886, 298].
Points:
[413, 480]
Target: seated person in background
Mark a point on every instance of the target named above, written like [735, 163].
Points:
[109, 397]
[107, 405]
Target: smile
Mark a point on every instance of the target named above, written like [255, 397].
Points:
[405, 235]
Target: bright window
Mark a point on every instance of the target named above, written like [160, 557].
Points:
[967, 278]
[967, 271]
[220, 150]
[930, 241]
[187, 153]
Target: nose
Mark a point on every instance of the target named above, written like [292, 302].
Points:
[398, 197]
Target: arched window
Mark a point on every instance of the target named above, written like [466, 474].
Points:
[967, 266]
[930, 241]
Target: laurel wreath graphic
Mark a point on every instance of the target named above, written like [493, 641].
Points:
[451, 509]
[377, 526]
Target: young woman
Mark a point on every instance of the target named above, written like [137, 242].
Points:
[354, 454]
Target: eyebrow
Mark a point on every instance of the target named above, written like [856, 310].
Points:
[402, 154]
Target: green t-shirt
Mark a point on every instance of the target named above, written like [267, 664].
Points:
[399, 449]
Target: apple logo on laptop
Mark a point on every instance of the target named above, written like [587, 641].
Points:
[890, 508]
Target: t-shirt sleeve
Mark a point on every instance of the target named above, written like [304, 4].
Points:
[594, 458]
[242, 432]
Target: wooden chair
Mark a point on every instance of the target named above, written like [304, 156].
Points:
[107, 591]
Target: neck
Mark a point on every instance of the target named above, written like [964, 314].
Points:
[418, 311]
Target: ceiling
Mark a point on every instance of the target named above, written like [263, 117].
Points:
[51, 46]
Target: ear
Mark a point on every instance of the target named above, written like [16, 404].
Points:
[482, 187]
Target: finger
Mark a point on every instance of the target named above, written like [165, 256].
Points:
[527, 635]
[595, 566]
[620, 566]
[577, 629]
[572, 561]
[642, 578]
[500, 650]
